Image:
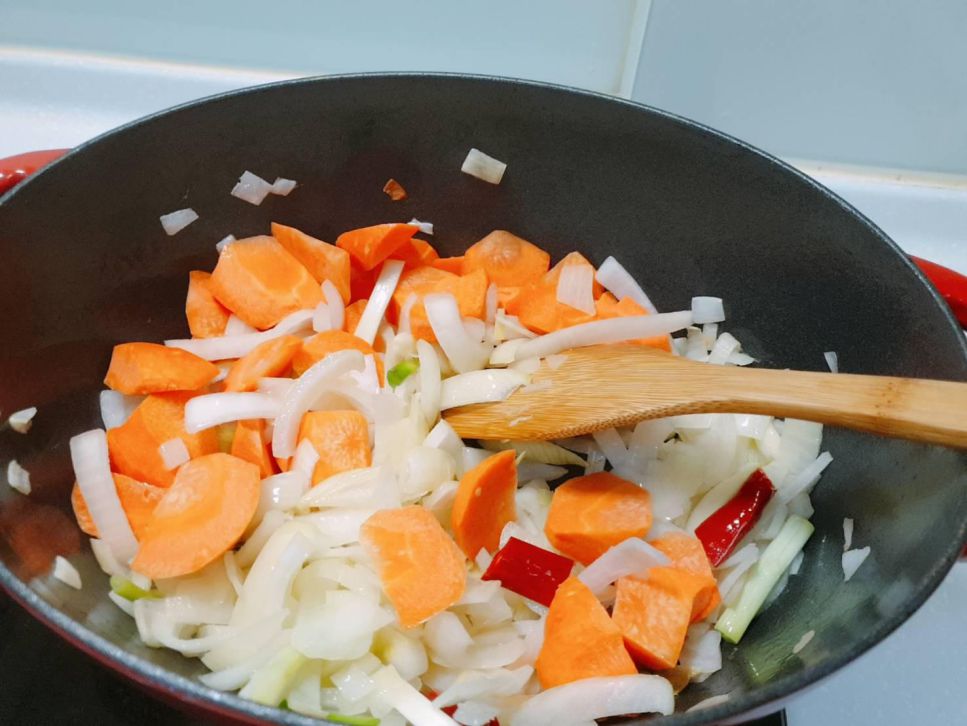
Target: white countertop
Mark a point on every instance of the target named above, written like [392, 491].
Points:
[918, 674]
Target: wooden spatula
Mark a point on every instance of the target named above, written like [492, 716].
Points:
[604, 386]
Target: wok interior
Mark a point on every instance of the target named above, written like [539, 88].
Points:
[687, 212]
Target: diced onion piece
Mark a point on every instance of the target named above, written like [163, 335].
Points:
[464, 352]
[335, 304]
[803, 641]
[174, 453]
[212, 409]
[702, 652]
[67, 573]
[620, 283]
[226, 347]
[21, 421]
[847, 533]
[588, 699]
[320, 318]
[412, 705]
[116, 408]
[282, 187]
[431, 385]
[575, 288]
[852, 559]
[237, 326]
[480, 387]
[224, 242]
[805, 479]
[443, 437]
[724, 347]
[599, 332]
[425, 227]
[251, 188]
[612, 446]
[389, 277]
[92, 470]
[632, 557]
[174, 222]
[707, 310]
[508, 327]
[832, 360]
[17, 477]
[304, 393]
[503, 354]
[491, 301]
[483, 167]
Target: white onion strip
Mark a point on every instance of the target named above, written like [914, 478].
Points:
[389, 277]
[832, 360]
[707, 310]
[67, 573]
[174, 222]
[18, 478]
[21, 421]
[431, 388]
[334, 301]
[463, 351]
[620, 283]
[174, 453]
[225, 347]
[599, 332]
[251, 188]
[321, 320]
[483, 167]
[480, 387]
[212, 409]
[575, 287]
[632, 557]
[592, 698]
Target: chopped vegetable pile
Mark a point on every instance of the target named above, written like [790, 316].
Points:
[278, 495]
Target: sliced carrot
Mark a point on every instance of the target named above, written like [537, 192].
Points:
[369, 246]
[394, 190]
[421, 568]
[137, 499]
[537, 305]
[261, 282]
[508, 298]
[206, 510]
[141, 368]
[415, 253]
[687, 553]
[248, 444]
[592, 513]
[484, 503]
[507, 259]
[361, 282]
[206, 316]
[653, 614]
[271, 358]
[340, 437]
[159, 418]
[580, 640]
[449, 264]
[323, 260]
[607, 306]
[317, 347]
[470, 292]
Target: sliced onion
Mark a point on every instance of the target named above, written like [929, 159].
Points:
[321, 320]
[21, 421]
[366, 380]
[406, 310]
[832, 360]
[575, 287]
[424, 469]
[173, 453]
[67, 573]
[442, 436]
[425, 227]
[335, 304]
[852, 559]
[530, 470]
[709, 702]
[17, 477]
[174, 222]
[237, 326]
[92, 469]
[491, 304]
[752, 426]
[431, 386]
[702, 652]
[803, 641]
[483, 167]
[389, 277]
[724, 347]
[464, 352]
[619, 282]
[224, 242]
[480, 387]
[707, 310]
[592, 698]
[356, 488]
[304, 393]
[612, 446]
[267, 584]
[805, 479]
[281, 491]
[632, 557]
[397, 694]
[338, 626]
[106, 559]
[225, 347]
[212, 409]
[472, 684]
[305, 459]
[116, 408]
[508, 327]
[251, 188]
[599, 332]
[282, 187]
[503, 354]
[847, 533]
[543, 452]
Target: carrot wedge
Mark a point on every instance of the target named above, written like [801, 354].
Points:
[653, 614]
[340, 437]
[538, 307]
[590, 514]
[206, 316]
[484, 503]
[687, 553]
[137, 499]
[261, 282]
[323, 260]
[607, 306]
[449, 264]
[580, 640]
[206, 510]
[270, 358]
[249, 445]
[415, 253]
[368, 246]
[421, 568]
[141, 368]
[507, 259]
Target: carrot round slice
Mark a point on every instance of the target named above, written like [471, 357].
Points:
[687, 553]
[141, 368]
[249, 445]
[206, 510]
[261, 282]
[137, 499]
[484, 503]
[507, 259]
[206, 316]
[590, 514]
[340, 437]
[323, 260]
[580, 640]
[270, 358]
[317, 347]
[421, 568]
[369, 246]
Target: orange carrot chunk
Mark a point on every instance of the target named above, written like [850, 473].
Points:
[368, 246]
[484, 503]
[323, 260]
[141, 368]
[317, 347]
[137, 499]
[653, 614]
[249, 445]
[507, 259]
[415, 253]
[449, 264]
[159, 418]
[340, 437]
[206, 316]
[206, 510]
[607, 306]
[394, 190]
[270, 358]
[687, 553]
[580, 640]
[421, 568]
[590, 514]
[261, 282]
[538, 307]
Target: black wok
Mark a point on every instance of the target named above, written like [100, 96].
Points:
[688, 210]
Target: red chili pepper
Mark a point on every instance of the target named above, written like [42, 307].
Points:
[951, 285]
[721, 532]
[14, 169]
[528, 570]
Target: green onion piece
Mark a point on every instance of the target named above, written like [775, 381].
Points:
[765, 574]
[353, 720]
[128, 590]
[401, 371]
